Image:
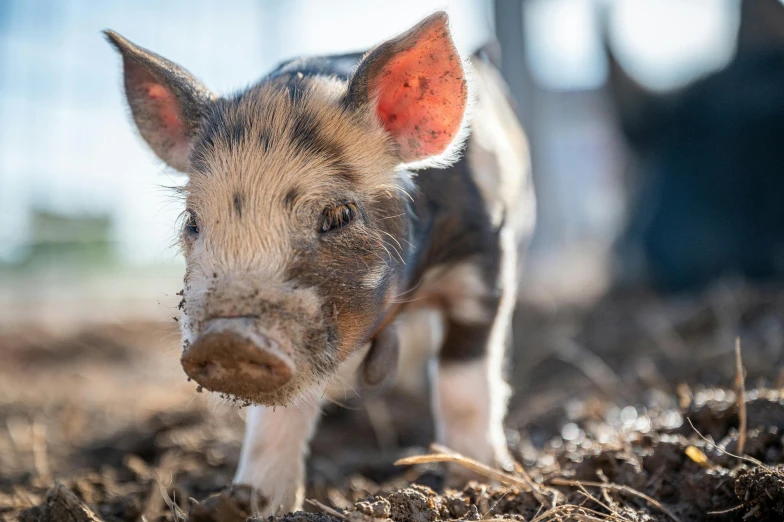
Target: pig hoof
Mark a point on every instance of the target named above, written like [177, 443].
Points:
[276, 503]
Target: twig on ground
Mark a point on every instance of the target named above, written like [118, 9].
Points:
[444, 454]
[606, 505]
[326, 509]
[177, 513]
[473, 465]
[534, 487]
[577, 513]
[489, 509]
[616, 487]
[740, 385]
[751, 512]
[725, 452]
[725, 511]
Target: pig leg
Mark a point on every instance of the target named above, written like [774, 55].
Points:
[470, 399]
[273, 454]
[470, 394]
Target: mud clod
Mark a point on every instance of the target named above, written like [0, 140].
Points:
[414, 504]
[301, 516]
[376, 507]
[761, 490]
[61, 505]
[231, 505]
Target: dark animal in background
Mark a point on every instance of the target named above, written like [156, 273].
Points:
[707, 166]
[311, 244]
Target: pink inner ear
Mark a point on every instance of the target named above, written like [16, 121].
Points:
[422, 95]
[168, 112]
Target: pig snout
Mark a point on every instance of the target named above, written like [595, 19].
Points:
[226, 359]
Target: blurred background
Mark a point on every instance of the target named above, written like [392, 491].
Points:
[657, 138]
[87, 225]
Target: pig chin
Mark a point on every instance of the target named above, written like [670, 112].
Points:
[244, 361]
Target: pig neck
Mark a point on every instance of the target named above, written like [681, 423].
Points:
[448, 224]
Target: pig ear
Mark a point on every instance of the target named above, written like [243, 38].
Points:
[166, 101]
[416, 85]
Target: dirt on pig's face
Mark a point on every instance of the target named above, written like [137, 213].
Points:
[296, 222]
[294, 231]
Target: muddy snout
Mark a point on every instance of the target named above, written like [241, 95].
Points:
[228, 358]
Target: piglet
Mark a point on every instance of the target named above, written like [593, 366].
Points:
[328, 206]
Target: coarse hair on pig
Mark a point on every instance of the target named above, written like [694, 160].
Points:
[298, 197]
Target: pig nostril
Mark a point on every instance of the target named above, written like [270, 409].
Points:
[208, 369]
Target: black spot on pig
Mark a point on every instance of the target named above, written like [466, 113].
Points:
[291, 198]
[237, 201]
[306, 134]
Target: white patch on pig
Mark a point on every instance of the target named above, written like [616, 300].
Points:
[273, 454]
[420, 332]
[499, 155]
[469, 403]
[375, 276]
[470, 398]
[466, 420]
[276, 440]
[462, 287]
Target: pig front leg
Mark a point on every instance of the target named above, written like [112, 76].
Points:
[470, 394]
[273, 454]
[470, 399]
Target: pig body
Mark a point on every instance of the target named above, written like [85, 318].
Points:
[312, 246]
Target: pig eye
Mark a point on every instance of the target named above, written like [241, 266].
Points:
[192, 224]
[338, 217]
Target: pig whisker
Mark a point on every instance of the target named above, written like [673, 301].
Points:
[383, 244]
[375, 240]
[380, 243]
[389, 254]
[398, 188]
[219, 403]
[309, 398]
[402, 299]
[406, 301]
[343, 405]
[339, 381]
[392, 217]
[411, 290]
[398, 249]
[397, 299]
[193, 398]
[393, 238]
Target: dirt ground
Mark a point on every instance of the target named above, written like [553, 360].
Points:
[99, 423]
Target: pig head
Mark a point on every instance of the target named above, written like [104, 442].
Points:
[295, 233]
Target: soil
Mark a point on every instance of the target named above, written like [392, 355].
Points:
[99, 423]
